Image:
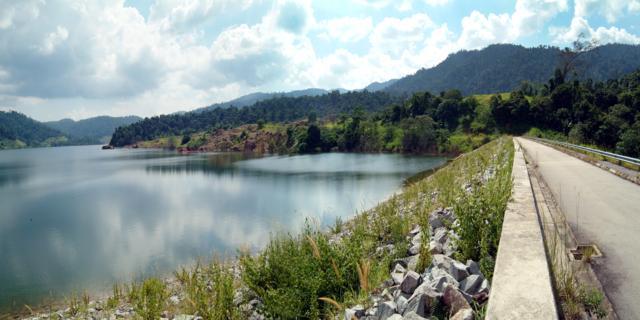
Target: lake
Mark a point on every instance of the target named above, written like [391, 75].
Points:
[80, 218]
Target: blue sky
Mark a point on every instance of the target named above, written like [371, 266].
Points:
[72, 58]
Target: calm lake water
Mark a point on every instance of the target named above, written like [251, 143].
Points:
[79, 218]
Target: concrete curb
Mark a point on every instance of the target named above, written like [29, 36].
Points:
[521, 286]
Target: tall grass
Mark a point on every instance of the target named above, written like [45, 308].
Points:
[307, 276]
[209, 290]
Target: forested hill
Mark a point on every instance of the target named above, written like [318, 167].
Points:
[503, 67]
[92, 130]
[277, 109]
[18, 130]
[252, 98]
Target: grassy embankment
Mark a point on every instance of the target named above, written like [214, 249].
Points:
[316, 273]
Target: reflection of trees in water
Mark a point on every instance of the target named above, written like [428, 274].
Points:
[13, 173]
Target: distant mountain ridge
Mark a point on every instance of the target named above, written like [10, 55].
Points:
[503, 67]
[92, 130]
[252, 98]
[19, 131]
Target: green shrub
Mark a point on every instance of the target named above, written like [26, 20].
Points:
[209, 291]
[149, 298]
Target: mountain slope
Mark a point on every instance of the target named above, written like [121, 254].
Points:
[279, 109]
[92, 130]
[503, 67]
[18, 130]
[252, 98]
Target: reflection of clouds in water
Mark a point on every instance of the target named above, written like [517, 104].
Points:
[132, 213]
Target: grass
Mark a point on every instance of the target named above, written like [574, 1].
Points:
[312, 275]
[209, 290]
[307, 276]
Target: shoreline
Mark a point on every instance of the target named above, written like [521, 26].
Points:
[172, 282]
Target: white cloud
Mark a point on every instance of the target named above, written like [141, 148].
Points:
[53, 39]
[394, 36]
[436, 2]
[479, 30]
[610, 9]
[182, 15]
[347, 29]
[601, 35]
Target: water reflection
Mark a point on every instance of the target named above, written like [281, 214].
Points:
[81, 218]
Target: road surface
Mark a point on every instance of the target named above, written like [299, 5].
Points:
[601, 208]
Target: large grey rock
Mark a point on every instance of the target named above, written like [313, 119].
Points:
[355, 312]
[471, 284]
[410, 282]
[395, 317]
[441, 261]
[412, 262]
[435, 247]
[440, 218]
[440, 235]
[422, 301]
[401, 303]
[415, 249]
[458, 270]
[386, 310]
[415, 230]
[485, 287]
[473, 267]
[417, 239]
[464, 314]
[412, 316]
[453, 299]
[398, 273]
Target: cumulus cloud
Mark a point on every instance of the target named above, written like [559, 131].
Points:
[580, 28]
[610, 9]
[479, 30]
[347, 29]
[436, 2]
[394, 36]
[183, 15]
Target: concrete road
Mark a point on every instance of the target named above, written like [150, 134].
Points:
[601, 208]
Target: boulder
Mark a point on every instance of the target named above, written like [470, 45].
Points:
[415, 230]
[386, 310]
[401, 303]
[471, 284]
[458, 270]
[410, 282]
[440, 218]
[435, 247]
[412, 262]
[355, 312]
[473, 267]
[464, 314]
[398, 274]
[440, 235]
[453, 299]
[417, 239]
[441, 261]
[412, 316]
[395, 317]
[415, 249]
[422, 301]
[485, 287]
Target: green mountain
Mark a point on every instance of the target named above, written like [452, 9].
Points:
[92, 130]
[278, 109]
[252, 98]
[503, 67]
[19, 131]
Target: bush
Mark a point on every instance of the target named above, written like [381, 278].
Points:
[210, 291]
[148, 299]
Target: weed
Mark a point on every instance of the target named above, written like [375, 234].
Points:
[149, 298]
[210, 290]
[593, 299]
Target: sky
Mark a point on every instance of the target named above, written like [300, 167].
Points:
[78, 59]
